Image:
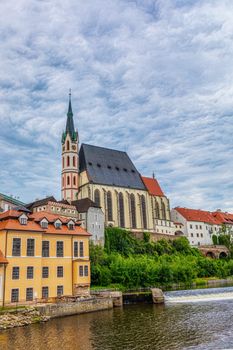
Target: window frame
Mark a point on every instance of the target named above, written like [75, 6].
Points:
[16, 252]
[60, 254]
[15, 276]
[16, 300]
[30, 275]
[31, 249]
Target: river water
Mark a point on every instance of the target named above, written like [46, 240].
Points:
[193, 319]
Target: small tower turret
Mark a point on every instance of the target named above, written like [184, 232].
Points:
[70, 160]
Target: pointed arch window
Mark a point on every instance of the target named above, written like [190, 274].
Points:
[74, 181]
[68, 145]
[109, 205]
[156, 209]
[133, 210]
[63, 181]
[74, 161]
[68, 161]
[68, 180]
[163, 211]
[63, 162]
[97, 197]
[143, 211]
[121, 210]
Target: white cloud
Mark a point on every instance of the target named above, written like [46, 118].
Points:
[150, 77]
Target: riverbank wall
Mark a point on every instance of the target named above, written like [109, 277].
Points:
[75, 308]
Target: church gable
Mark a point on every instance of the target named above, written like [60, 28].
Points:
[109, 167]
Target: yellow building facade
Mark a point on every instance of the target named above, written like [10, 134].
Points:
[42, 257]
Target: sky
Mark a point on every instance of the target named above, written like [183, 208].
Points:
[153, 78]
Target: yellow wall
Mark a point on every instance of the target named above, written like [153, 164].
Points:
[38, 262]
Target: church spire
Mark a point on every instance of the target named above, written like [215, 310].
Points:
[70, 123]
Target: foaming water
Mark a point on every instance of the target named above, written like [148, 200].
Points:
[203, 325]
[199, 295]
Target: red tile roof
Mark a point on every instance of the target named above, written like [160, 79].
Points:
[225, 218]
[152, 186]
[198, 215]
[9, 221]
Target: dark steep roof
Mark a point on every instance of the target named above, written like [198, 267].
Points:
[82, 205]
[109, 167]
[70, 124]
[40, 202]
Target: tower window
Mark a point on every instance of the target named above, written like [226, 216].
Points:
[63, 162]
[74, 161]
[68, 180]
[74, 181]
[68, 145]
[68, 161]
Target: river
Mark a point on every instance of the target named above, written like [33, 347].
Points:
[193, 319]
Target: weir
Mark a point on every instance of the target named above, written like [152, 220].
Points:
[199, 295]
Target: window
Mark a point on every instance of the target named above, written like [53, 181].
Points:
[197, 234]
[109, 205]
[45, 249]
[68, 180]
[81, 249]
[30, 247]
[191, 234]
[196, 227]
[59, 290]
[30, 271]
[191, 226]
[74, 161]
[68, 161]
[201, 234]
[121, 210]
[45, 272]
[60, 271]
[15, 273]
[16, 247]
[71, 226]
[74, 181]
[14, 295]
[57, 224]
[200, 227]
[86, 270]
[75, 249]
[81, 271]
[23, 221]
[60, 249]
[143, 210]
[97, 197]
[44, 224]
[29, 294]
[163, 211]
[68, 145]
[156, 210]
[133, 210]
[45, 292]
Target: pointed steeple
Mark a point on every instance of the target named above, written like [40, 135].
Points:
[70, 123]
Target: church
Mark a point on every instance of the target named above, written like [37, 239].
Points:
[109, 178]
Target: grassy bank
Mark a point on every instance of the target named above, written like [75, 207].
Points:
[128, 263]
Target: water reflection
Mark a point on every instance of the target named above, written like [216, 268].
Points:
[174, 326]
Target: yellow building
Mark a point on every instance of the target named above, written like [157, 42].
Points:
[42, 256]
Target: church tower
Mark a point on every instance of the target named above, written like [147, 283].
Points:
[70, 160]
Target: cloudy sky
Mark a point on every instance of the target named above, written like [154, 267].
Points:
[153, 78]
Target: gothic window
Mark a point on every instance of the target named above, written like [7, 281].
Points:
[121, 210]
[63, 163]
[74, 162]
[63, 182]
[97, 197]
[156, 209]
[163, 211]
[68, 161]
[74, 181]
[143, 210]
[68, 180]
[133, 210]
[109, 205]
[68, 145]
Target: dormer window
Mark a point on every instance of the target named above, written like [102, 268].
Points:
[44, 223]
[57, 224]
[71, 225]
[23, 219]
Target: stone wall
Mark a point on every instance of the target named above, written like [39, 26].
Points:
[75, 308]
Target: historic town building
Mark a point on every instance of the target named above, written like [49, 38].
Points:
[42, 256]
[110, 179]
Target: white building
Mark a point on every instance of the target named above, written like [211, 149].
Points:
[198, 225]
